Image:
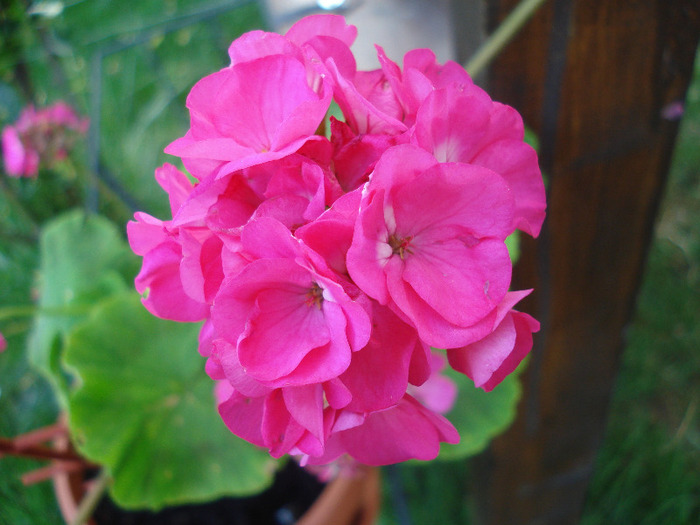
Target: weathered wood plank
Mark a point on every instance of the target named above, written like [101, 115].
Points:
[606, 148]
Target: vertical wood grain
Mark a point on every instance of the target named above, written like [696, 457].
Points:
[591, 77]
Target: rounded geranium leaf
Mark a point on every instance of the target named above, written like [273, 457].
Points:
[83, 259]
[145, 410]
[479, 416]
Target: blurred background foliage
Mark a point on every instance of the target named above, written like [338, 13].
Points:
[129, 66]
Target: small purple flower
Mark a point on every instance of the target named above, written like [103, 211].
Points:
[673, 111]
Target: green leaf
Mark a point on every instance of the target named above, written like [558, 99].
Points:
[26, 400]
[145, 410]
[83, 259]
[479, 416]
[513, 245]
[531, 138]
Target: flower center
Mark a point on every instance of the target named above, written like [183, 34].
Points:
[400, 246]
[314, 297]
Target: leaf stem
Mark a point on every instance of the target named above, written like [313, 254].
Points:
[9, 312]
[92, 498]
[12, 448]
[503, 34]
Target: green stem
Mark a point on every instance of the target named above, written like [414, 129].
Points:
[92, 498]
[9, 312]
[503, 34]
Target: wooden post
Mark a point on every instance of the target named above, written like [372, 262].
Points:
[592, 77]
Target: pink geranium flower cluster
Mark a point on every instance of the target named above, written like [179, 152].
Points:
[326, 268]
[40, 136]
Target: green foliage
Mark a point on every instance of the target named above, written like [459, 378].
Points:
[118, 23]
[479, 416]
[144, 86]
[134, 387]
[83, 259]
[686, 161]
[26, 399]
[513, 244]
[433, 492]
[150, 54]
[145, 410]
[9, 103]
[647, 469]
[138, 64]
[26, 403]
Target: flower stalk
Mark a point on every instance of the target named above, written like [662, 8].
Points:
[10, 312]
[92, 498]
[505, 32]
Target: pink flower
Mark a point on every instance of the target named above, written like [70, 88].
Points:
[290, 318]
[40, 137]
[405, 431]
[460, 123]
[330, 235]
[294, 420]
[355, 155]
[284, 92]
[488, 361]
[282, 419]
[251, 113]
[312, 40]
[324, 270]
[297, 192]
[3, 343]
[429, 242]
[285, 420]
[19, 161]
[379, 374]
[380, 109]
[159, 279]
[385, 101]
[62, 114]
[439, 392]
[157, 241]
